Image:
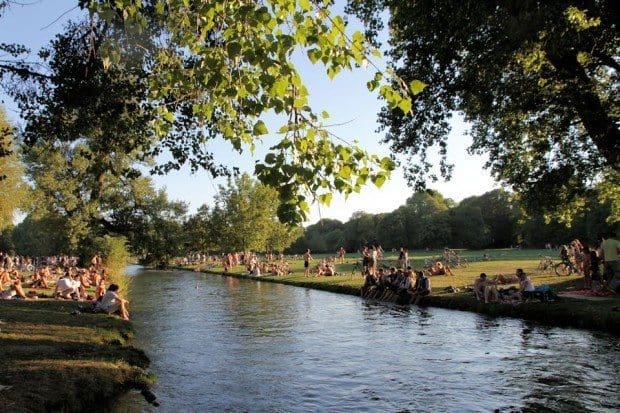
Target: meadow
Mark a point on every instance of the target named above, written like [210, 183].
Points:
[492, 262]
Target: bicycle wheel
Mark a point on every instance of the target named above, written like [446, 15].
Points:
[563, 269]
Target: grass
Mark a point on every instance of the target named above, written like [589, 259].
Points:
[54, 360]
[582, 313]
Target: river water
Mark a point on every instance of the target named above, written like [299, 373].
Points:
[222, 344]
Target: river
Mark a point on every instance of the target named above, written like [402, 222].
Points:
[222, 344]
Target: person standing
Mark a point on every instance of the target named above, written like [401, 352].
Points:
[307, 258]
[610, 248]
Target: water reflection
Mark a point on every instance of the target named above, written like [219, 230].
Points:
[223, 344]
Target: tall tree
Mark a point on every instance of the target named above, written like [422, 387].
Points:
[13, 188]
[244, 217]
[537, 80]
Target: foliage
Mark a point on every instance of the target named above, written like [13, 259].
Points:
[428, 220]
[223, 65]
[116, 257]
[13, 188]
[244, 218]
[86, 134]
[158, 234]
[41, 235]
[538, 81]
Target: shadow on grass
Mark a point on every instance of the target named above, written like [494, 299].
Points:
[26, 348]
[55, 361]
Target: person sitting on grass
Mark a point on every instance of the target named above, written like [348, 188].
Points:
[526, 287]
[439, 269]
[112, 303]
[67, 287]
[421, 288]
[100, 290]
[5, 278]
[14, 290]
[38, 279]
[328, 270]
[486, 289]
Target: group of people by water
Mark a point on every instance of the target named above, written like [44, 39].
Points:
[487, 290]
[69, 282]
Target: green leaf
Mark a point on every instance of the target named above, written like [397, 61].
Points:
[405, 105]
[305, 5]
[417, 86]
[260, 128]
[168, 116]
[379, 180]
[326, 198]
[325, 115]
[270, 158]
[233, 49]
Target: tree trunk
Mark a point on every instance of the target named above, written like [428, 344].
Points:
[600, 127]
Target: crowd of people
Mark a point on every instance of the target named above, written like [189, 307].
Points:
[598, 265]
[68, 281]
[399, 285]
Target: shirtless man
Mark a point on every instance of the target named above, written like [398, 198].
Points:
[307, 258]
[486, 289]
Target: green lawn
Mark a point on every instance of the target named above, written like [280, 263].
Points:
[502, 261]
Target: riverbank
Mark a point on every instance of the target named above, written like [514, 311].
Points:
[574, 311]
[56, 359]
[602, 315]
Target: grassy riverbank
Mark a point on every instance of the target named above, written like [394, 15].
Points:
[582, 312]
[52, 360]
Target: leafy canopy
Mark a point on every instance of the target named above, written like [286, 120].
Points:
[537, 80]
[225, 64]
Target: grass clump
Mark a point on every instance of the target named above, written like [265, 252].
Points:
[54, 358]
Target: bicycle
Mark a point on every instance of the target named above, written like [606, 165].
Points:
[546, 263]
[565, 268]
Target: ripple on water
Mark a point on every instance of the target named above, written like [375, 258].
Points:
[221, 344]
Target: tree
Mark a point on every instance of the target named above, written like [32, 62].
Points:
[469, 229]
[360, 230]
[13, 188]
[537, 80]
[161, 237]
[40, 235]
[199, 231]
[244, 218]
[500, 214]
[220, 66]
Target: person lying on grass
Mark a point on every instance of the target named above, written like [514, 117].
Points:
[439, 269]
[112, 303]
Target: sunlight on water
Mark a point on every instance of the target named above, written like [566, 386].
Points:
[223, 344]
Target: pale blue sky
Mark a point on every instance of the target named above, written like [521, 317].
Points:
[345, 98]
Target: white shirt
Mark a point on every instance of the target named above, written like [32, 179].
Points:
[67, 283]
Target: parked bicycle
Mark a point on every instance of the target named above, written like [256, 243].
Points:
[565, 268]
[546, 263]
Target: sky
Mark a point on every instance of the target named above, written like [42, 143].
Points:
[346, 98]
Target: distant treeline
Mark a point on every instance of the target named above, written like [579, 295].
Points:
[428, 220]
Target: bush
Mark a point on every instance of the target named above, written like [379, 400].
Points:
[115, 258]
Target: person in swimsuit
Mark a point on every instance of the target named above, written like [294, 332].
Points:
[307, 258]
